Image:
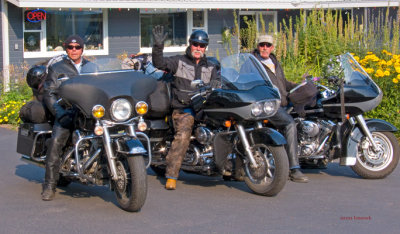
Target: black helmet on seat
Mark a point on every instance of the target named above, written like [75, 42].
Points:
[35, 76]
[199, 36]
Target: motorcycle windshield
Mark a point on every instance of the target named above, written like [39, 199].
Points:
[243, 72]
[354, 74]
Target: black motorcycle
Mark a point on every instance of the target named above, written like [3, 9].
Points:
[334, 128]
[104, 148]
[228, 137]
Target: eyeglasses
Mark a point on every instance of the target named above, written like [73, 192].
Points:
[71, 47]
[196, 44]
[267, 44]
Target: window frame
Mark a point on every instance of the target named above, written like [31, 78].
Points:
[189, 30]
[43, 53]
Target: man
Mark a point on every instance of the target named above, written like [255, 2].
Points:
[282, 120]
[185, 68]
[67, 66]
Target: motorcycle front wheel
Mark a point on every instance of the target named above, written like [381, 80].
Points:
[131, 186]
[377, 164]
[272, 171]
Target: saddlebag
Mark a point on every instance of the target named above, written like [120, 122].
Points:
[34, 112]
[31, 138]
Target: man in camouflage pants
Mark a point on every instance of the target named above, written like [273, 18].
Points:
[185, 68]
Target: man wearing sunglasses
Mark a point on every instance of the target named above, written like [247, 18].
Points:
[65, 66]
[281, 120]
[193, 65]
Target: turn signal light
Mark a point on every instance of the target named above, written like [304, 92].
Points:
[98, 111]
[228, 123]
[141, 108]
[265, 121]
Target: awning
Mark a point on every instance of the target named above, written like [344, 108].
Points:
[204, 4]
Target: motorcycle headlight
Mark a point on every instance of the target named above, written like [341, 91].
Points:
[257, 109]
[121, 109]
[271, 106]
[141, 108]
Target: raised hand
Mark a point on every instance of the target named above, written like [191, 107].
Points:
[158, 35]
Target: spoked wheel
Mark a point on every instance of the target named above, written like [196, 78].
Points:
[131, 186]
[272, 171]
[377, 164]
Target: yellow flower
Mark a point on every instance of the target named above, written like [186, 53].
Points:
[398, 77]
[369, 70]
[357, 58]
[395, 80]
[386, 73]
[389, 63]
[369, 52]
[379, 73]
[12, 112]
[1, 121]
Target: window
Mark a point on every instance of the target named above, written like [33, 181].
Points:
[266, 22]
[45, 38]
[177, 23]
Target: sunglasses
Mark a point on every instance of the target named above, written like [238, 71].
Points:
[195, 44]
[71, 47]
[267, 44]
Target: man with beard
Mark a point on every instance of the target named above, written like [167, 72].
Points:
[185, 68]
[281, 120]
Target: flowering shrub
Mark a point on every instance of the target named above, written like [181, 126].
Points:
[9, 112]
[12, 101]
[385, 71]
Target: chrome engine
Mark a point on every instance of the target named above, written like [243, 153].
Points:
[313, 135]
[200, 153]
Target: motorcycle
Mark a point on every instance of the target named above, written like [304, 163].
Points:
[228, 137]
[104, 148]
[335, 127]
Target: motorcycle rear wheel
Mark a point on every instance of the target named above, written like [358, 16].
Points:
[131, 187]
[273, 171]
[379, 164]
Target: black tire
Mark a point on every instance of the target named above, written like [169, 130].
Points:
[62, 181]
[131, 188]
[159, 170]
[377, 165]
[273, 159]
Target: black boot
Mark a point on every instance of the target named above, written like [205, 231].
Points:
[296, 176]
[48, 192]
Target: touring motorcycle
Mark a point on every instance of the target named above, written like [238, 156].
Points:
[104, 148]
[228, 137]
[334, 128]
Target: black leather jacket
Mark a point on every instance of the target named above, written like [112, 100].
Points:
[278, 78]
[185, 70]
[63, 68]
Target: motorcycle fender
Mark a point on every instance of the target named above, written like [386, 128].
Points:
[378, 125]
[131, 147]
[350, 150]
[267, 136]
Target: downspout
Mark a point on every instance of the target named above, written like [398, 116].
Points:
[6, 49]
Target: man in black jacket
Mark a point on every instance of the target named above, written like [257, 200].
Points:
[281, 120]
[185, 68]
[68, 66]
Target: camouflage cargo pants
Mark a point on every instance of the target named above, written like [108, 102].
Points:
[183, 124]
